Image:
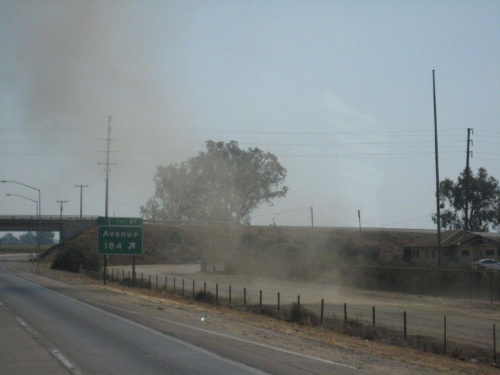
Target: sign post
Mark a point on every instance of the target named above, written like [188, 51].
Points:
[119, 236]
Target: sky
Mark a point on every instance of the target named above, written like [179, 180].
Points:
[340, 91]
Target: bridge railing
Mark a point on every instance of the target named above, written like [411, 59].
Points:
[47, 217]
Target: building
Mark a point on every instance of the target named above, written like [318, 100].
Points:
[457, 247]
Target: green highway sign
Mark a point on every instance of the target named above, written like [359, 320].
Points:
[120, 221]
[121, 236]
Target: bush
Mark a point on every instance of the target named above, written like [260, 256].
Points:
[75, 256]
[299, 314]
[207, 297]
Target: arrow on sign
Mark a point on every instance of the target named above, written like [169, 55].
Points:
[131, 245]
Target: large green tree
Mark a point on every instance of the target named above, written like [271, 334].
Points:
[483, 212]
[223, 183]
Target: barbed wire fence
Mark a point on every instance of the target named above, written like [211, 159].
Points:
[461, 337]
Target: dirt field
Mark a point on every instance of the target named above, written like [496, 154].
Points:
[468, 322]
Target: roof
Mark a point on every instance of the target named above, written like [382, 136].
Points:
[451, 238]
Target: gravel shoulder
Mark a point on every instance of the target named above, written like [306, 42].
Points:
[373, 357]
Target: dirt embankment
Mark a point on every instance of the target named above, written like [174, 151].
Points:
[171, 244]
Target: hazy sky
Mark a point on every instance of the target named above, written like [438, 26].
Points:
[341, 91]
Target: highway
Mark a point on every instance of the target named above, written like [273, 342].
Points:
[58, 328]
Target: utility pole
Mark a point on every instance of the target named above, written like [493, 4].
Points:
[467, 173]
[61, 202]
[81, 198]
[438, 203]
[108, 146]
[359, 219]
[107, 164]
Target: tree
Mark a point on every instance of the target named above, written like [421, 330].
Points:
[30, 238]
[9, 239]
[47, 238]
[223, 183]
[484, 202]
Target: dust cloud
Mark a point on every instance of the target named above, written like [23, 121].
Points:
[71, 64]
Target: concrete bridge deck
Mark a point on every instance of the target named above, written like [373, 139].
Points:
[68, 226]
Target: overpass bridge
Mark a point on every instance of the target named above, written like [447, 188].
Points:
[68, 226]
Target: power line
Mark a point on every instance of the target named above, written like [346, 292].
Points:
[230, 131]
[407, 220]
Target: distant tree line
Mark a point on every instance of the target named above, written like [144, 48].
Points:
[28, 238]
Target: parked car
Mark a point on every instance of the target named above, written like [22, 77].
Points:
[487, 264]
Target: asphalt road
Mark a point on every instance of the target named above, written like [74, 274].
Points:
[51, 330]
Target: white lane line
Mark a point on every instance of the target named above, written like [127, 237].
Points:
[245, 368]
[67, 364]
[149, 329]
[258, 344]
[27, 328]
[116, 308]
[55, 353]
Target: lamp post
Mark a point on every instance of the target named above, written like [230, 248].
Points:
[39, 210]
[38, 232]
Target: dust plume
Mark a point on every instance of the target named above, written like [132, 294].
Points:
[69, 65]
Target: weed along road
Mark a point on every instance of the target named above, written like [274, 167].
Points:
[56, 327]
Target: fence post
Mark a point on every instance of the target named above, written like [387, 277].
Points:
[129, 275]
[245, 297]
[494, 344]
[123, 275]
[149, 282]
[491, 287]
[166, 277]
[345, 313]
[204, 288]
[216, 292]
[193, 289]
[445, 334]
[322, 309]
[182, 286]
[298, 302]
[470, 285]
[260, 300]
[279, 301]
[174, 285]
[156, 286]
[142, 279]
[405, 333]
[373, 314]
[229, 294]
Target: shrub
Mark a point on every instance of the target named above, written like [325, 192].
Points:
[207, 297]
[75, 256]
[299, 314]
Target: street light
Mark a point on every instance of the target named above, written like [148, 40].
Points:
[39, 209]
[37, 213]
